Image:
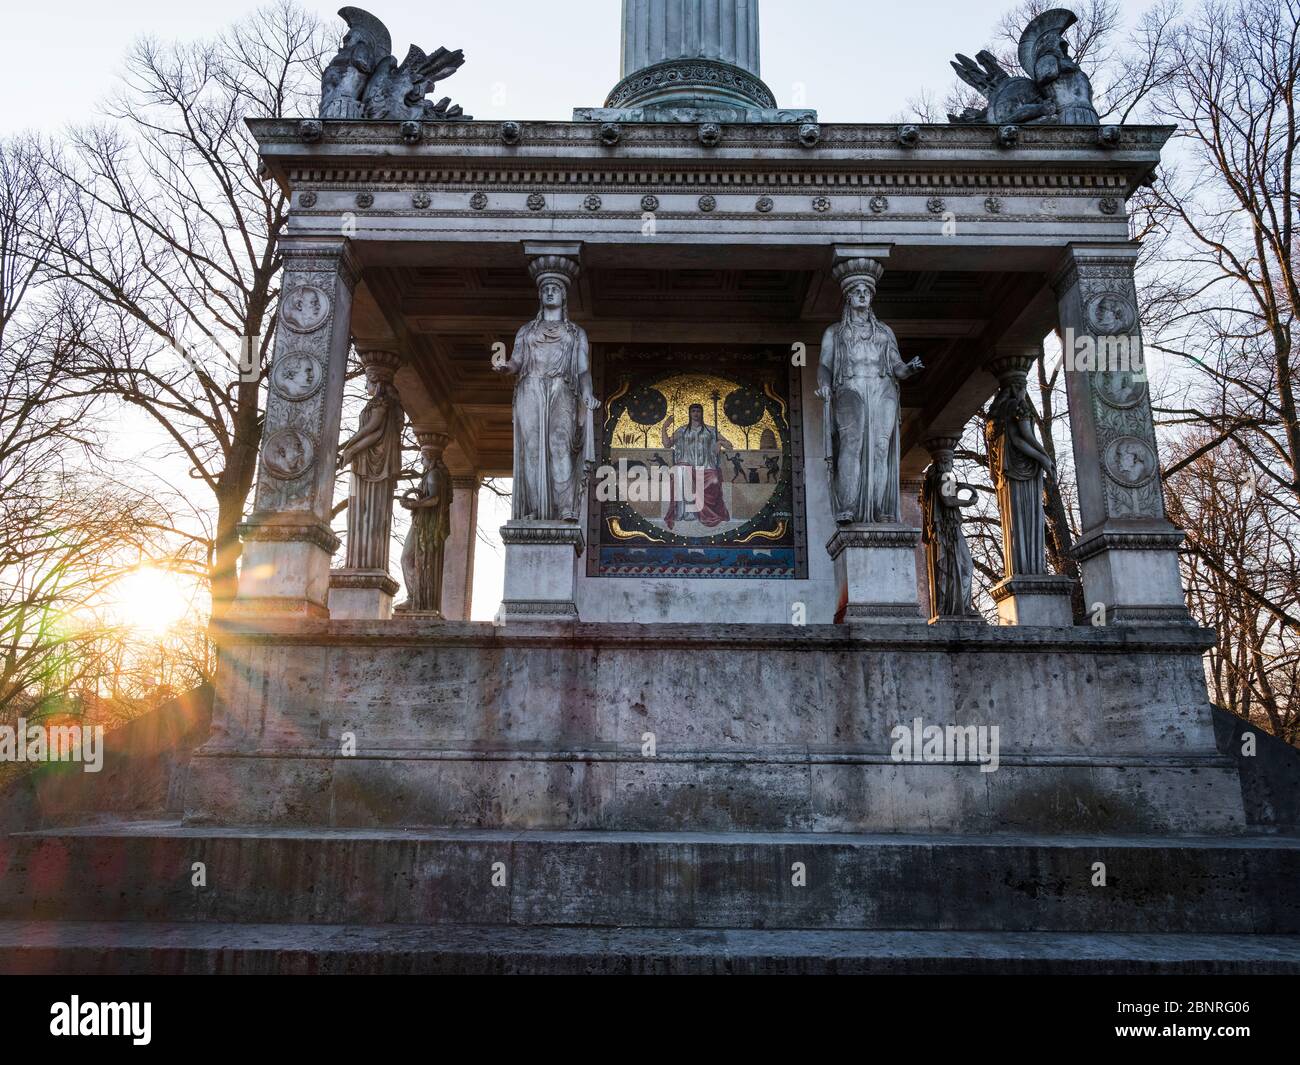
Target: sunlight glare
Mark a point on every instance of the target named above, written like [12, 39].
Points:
[150, 600]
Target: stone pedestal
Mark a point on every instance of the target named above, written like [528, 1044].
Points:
[285, 566]
[1133, 576]
[541, 573]
[1042, 599]
[361, 595]
[875, 569]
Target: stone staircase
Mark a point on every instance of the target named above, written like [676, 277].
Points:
[122, 898]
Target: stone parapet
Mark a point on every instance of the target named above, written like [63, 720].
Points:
[565, 725]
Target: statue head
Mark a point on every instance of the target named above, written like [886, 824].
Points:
[695, 412]
[859, 296]
[380, 366]
[553, 294]
[553, 274]
[432, 445]
[367, 37]
[858, 279]
[1009, 404]
[1043, 37]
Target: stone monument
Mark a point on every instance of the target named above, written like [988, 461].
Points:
[684, 693]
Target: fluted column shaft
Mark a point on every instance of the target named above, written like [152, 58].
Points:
[659, 30]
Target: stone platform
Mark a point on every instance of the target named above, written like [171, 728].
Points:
[421, 723]
[122, 899]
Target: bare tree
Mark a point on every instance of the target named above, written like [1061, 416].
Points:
[65, 532]
[174, 228]
[1242, 572]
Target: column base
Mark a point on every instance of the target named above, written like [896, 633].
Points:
[541, 577]
[1131, 577]
[1041, 599]
[402, 610]
[875, 568]
[284, 570]
[361, 595]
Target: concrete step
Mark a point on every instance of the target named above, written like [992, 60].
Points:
[152, 872]
[177, 948]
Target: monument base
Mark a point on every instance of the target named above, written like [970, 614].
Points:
[1043, 599]
[361, 595]
[694, 727]
[875, 568]
[541, 571]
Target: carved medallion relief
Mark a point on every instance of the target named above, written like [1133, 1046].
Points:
[1121, 407]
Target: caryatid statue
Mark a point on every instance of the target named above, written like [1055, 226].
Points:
[1018, 464]
[949, 563]
[375, 452]
[364, 80]
[429, 505]
[1056, 91]
[553, 401]
[858, 379]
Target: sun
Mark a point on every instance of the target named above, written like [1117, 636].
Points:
[150, 600]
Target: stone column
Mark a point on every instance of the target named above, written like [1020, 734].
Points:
[659, 30]
[287, 539]
[1033, 597]
[364, 588]
[1128, 550]
[458, 556]
[910, 498]
[691, 55]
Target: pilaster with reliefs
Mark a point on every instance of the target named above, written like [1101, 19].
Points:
[287, 539]
[1128, 550]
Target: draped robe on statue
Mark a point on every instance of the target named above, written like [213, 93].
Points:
[374, 479]
[864, 362]
[1019, 481]
[422, 555]
[951, 567]
[548, 429]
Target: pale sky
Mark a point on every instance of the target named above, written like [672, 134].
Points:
[857, 60]
[851, 60]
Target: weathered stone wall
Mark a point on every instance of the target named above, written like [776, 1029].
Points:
[754, 728]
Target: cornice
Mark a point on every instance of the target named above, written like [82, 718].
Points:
[672, 146]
